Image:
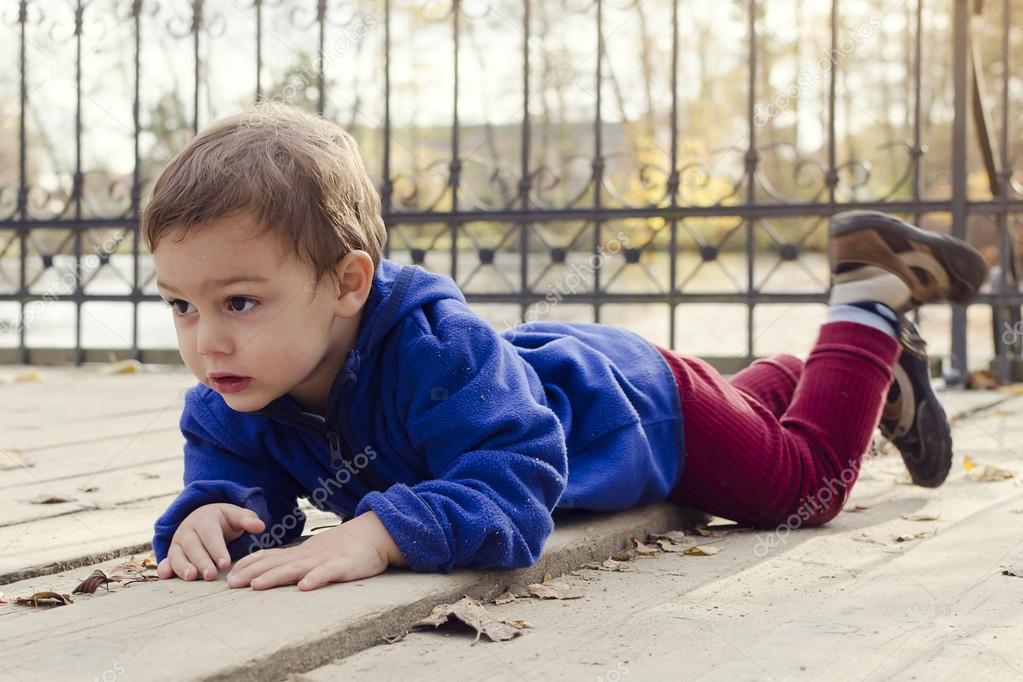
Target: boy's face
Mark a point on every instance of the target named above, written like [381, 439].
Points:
[251, 321]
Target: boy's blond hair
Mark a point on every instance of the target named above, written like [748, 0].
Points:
[299, 175]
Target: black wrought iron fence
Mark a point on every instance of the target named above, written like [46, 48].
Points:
[567, 158]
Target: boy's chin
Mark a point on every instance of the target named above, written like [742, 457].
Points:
[246, 401]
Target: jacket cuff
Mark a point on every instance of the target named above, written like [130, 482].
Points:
[413, 526]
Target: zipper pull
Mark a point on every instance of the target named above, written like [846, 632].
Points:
[336, 456]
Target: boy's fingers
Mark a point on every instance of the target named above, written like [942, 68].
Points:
[164, 570]
[242, 519]
[212, 538]
[180, 563]
[198, 556]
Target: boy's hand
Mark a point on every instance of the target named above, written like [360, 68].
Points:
[359, 548]
[199, 545]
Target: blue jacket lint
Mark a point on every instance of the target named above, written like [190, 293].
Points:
[460, 438]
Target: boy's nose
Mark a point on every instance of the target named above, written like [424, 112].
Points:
[213, 339]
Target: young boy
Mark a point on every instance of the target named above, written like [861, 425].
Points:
[372, 389]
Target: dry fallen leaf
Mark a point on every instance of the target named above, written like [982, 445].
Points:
[28, 375]
[606, 565]
[395, 638]
[915, 536]
[13, 458]
[471, 612]
[54, 597]
[669, 546]
[554, 591]
[921, 516]
[626, 554]
[701, 550]
[644, 550]
[985, 472]
[506, 597]
[675, 536]
[134, 564]
[981, 379]
[93, 582]
[122, 367]
[1015, 572]
[51, 498]
[707, 532]
[857, 508]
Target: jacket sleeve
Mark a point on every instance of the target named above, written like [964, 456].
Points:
[219, 469]
[497, 454]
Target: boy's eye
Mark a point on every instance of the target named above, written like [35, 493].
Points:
[180, 307]
[241, 304]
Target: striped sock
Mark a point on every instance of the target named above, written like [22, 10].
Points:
[871, 313]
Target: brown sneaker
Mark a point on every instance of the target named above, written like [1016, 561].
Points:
[868, 247]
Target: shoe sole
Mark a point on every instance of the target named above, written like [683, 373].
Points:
[965, 266]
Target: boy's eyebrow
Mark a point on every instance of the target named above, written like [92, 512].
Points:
[223, 282]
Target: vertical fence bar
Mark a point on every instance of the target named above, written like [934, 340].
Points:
[22, 181]
[387, 191]
[524, 184]
[455, 168]
[1003, 370]
[751, 171]
[136, 179]
[321, 78]
[196, 26]
[77, 182]
[259, 49]
[598, 158]
[960, 54]
[673, 176]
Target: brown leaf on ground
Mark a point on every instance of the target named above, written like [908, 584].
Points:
[626, 554]
[701, 550]
[394, 639]
[916, 536]
[13, 458]
[134, 564]
[981, 379]
[669, 546]
[48, 599]
[708, 532]
[93, 582]
[606, 565]
[1016, 572]
[554, 591]
[921, 516]
[122, 367]
[675, 536]
[472, 613]
[141, 578]
[50, 498]
[505, 598]
[643, 549]
[985, 472]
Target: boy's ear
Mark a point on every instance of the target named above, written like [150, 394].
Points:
[354, 276]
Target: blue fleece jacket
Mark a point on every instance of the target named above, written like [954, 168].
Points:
[462, 439]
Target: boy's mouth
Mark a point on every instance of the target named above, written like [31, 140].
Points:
[225, 382]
